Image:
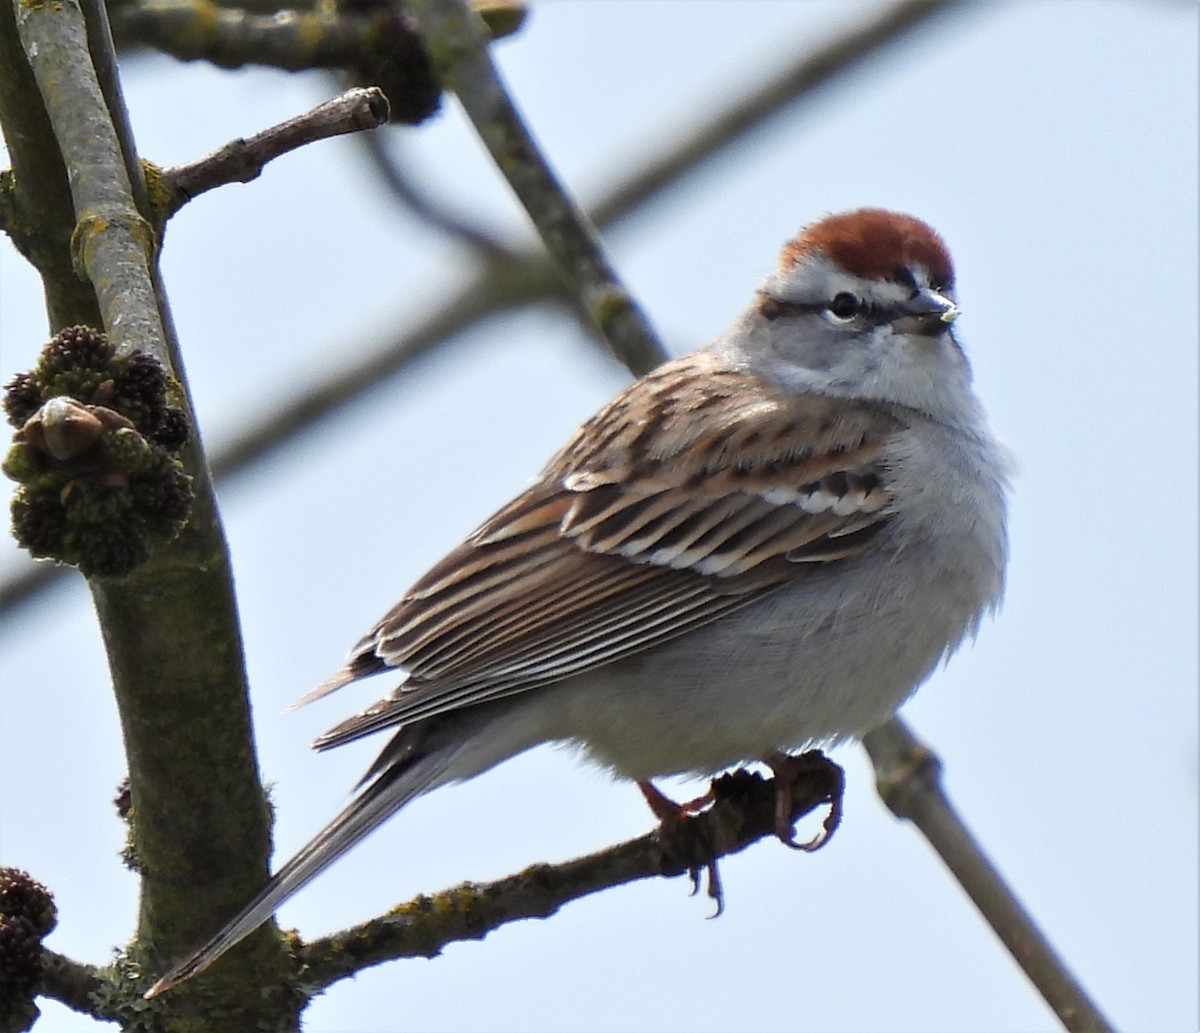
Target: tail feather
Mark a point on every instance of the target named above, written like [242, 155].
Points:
[374, 805]
[418, 758]
[359, 665]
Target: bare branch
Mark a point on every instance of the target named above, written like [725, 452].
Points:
[243, 160]
[743, 812]
[454, 40]
[425, 208]
[38, 214]
[104, 60]
[295, 37]
[908, 777]
[228, 37]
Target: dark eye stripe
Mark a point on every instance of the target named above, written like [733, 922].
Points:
[771, 307]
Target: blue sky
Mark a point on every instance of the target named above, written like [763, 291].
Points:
[1054, 145]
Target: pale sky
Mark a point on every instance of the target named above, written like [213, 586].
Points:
[1054, 145]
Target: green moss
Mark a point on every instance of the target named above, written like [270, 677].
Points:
[23, 463]
[164, 201]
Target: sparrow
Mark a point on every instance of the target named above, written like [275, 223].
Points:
[764, 545]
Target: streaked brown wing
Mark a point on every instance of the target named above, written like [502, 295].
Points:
[638, 530]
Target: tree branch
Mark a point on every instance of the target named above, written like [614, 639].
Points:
[743, 812]
[453, 38]
[38, 213]
[909, 779]
[243, 160]
[77, 985]
[170, 628]
[104, 60]
[232, 38]
[112, 243]
[295, 37]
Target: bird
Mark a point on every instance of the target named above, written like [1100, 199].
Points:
[763, 545]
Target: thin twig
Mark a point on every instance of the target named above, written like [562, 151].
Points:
[243, 160]
[908, 777]
[381, 151]
[454, 40]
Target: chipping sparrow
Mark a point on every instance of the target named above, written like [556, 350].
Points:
[764, 544]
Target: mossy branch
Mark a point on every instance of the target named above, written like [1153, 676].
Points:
[112, 244]
[742, 813]
[200, 824]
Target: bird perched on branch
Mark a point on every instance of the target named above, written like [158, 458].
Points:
[766, 544]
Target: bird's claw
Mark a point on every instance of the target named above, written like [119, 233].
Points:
[788, 770]
[712, 889]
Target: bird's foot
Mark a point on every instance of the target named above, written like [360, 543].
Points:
[671, 816]
[789, 770]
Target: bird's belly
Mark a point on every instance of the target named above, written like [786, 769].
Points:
[773, 676]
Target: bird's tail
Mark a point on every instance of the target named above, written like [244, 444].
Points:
[370, 808]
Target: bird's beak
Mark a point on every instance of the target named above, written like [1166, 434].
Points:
[927, 314]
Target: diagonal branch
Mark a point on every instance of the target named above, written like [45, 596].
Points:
[742, 813]
[909, 780]
[243, 160]
[453, 37]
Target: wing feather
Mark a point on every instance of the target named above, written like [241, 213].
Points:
[694, 492]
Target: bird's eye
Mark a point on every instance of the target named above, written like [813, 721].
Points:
[845, 305]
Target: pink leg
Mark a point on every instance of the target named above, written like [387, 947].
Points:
[665, 809]
[670, 815]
